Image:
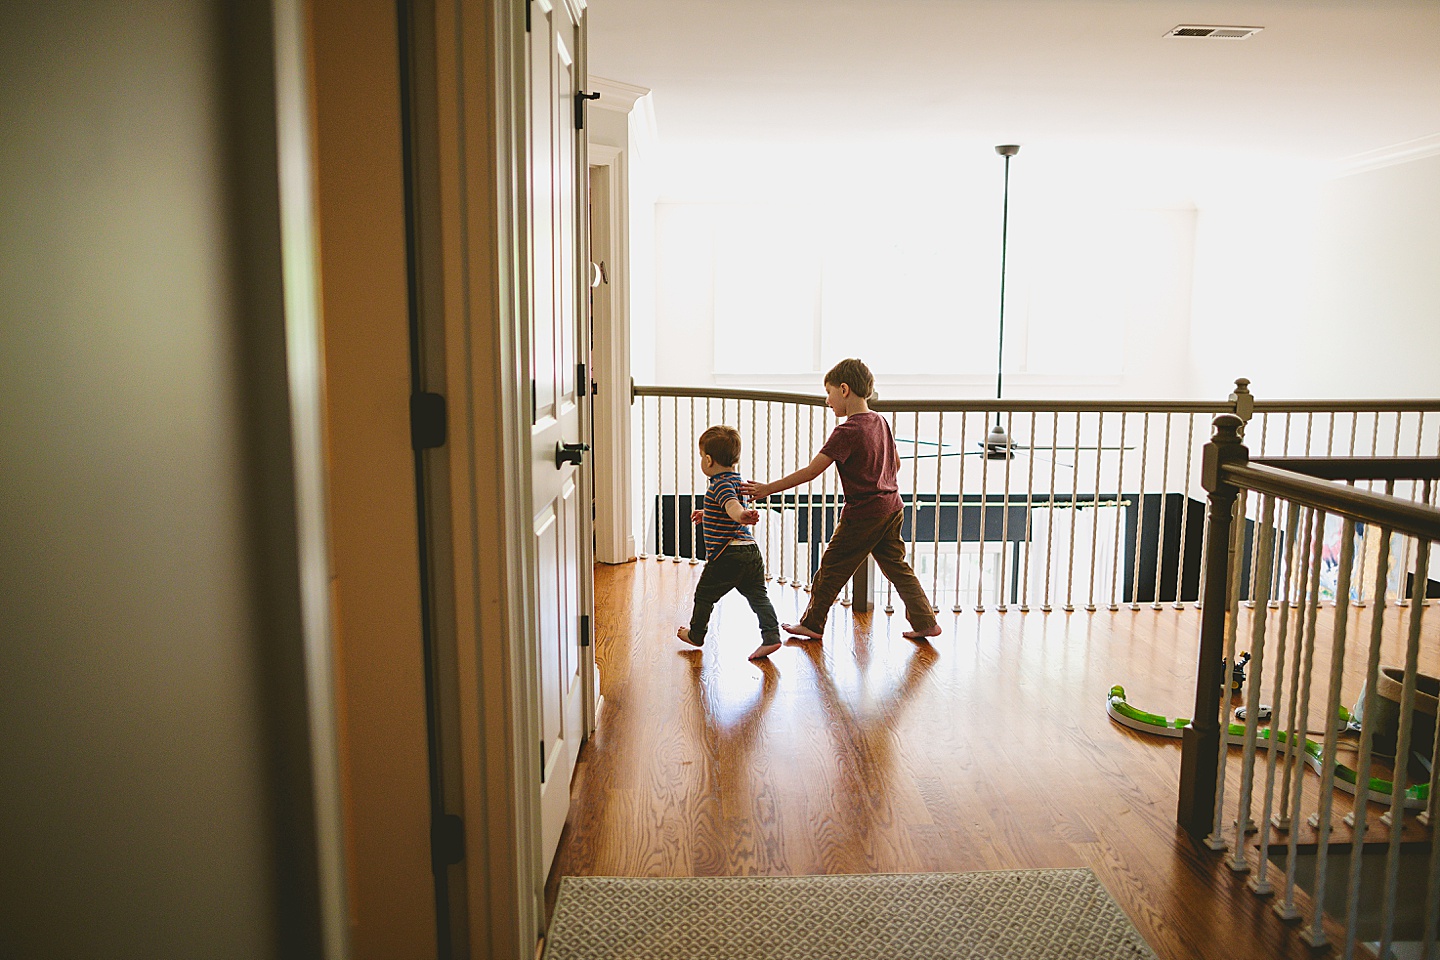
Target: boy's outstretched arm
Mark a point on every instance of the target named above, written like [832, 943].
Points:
[805, 474]
[740, 514]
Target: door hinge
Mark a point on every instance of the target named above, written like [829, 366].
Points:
[447, 841]
[528, 5]
[542, 761]
[584, 629]
[427, 421]
[534, 401]
[580, 97]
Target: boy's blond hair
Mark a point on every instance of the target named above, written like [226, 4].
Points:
[722, 443]
[853, 373]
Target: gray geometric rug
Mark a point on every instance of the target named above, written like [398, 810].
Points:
[1001, 915]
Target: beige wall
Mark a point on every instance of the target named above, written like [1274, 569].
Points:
[372, 490]
[150, 639]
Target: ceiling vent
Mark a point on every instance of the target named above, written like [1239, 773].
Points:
[1214, 33]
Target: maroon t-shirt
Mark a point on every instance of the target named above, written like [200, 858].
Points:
[865, 456]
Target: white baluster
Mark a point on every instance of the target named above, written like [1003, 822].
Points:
[985, 509]
[960, 515]
[1074, 511]
[1402, 760]
[694, 459]
[1119, 514]
[1243, 823]
[1005, 517]
[1029, 509]
[1311, 610]
[1095, 509]
[1260, 883]
[1050, 526]
[1164, 501]
[1315, 935]
[1140, 512]
[939, 485]
[1358, 818]
[1184, 514]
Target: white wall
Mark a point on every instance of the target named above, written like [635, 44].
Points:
[1323, 290]
[1114, 288]
[773, 263]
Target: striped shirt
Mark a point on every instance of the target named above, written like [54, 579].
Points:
[719, 528]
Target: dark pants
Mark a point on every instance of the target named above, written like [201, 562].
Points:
[738, 567]
[851, 543]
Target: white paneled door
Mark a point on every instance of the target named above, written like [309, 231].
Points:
[559, 430]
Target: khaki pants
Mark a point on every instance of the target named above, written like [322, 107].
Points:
[853, 541]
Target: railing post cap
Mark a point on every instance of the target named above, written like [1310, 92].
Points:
[1243, 399]
[1228, 428]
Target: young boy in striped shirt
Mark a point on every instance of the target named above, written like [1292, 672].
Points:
[732, 558]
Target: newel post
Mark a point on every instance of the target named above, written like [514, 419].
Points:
[1200, 744]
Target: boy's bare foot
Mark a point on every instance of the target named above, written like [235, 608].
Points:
[684, 634]
[934, 631]
[800, 630]
[764, 650]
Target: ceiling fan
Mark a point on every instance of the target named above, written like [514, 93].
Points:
[998, 444]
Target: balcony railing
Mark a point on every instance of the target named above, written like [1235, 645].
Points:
[1008, 504]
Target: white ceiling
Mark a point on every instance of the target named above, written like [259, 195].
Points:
[1324, 81]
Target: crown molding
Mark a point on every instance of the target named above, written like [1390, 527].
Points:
[1396, 153]
[616, 96]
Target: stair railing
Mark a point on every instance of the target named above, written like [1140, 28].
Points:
[1311, 531]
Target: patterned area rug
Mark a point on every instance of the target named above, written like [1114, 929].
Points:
[1005, 915]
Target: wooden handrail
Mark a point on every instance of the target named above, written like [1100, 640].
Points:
[1400, 516]
[1358, 468]
[1061, 406]
[1347, 406]
[947, 406]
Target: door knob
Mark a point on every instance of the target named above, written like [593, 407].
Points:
[570, 453]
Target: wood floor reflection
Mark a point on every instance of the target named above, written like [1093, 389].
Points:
[988, 748]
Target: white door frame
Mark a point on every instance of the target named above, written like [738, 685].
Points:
[614, 529]
[614, 466]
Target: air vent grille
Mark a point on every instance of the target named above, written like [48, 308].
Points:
[1213, 32]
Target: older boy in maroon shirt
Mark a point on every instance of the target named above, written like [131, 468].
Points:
[863, 452]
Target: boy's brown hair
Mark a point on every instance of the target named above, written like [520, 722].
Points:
[854, 374]
[722, 443]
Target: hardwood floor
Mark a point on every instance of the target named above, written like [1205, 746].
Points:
[988, 748]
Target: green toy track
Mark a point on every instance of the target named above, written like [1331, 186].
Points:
[1124, 714]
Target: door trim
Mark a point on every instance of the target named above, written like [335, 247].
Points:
[615, 537]
[480, 83]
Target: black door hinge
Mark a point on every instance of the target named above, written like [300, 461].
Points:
[580, 97]
[447, 841]
[534, 401]
[585, 630]
[427, 421]
[542, 761]
[528, 5]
